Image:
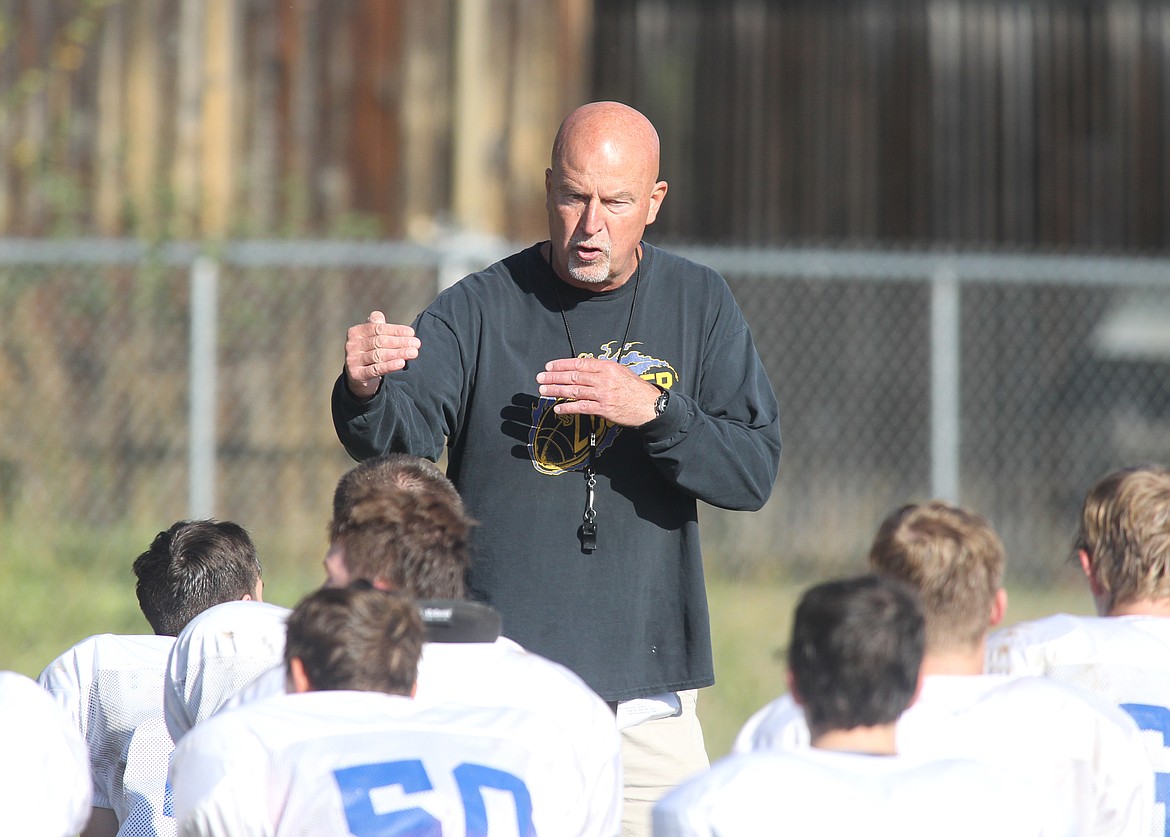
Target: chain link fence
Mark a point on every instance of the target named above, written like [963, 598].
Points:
[141, 385]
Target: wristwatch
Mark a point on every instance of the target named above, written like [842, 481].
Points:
[660, 404]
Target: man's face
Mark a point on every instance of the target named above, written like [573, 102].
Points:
[599, 202]
[336, 572]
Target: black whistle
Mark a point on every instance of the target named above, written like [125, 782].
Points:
[588, 536]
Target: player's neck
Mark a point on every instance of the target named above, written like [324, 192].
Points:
[953, 662]
[870, 741]
[1142, 607]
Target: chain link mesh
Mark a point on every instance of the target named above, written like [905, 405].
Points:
[1060, 378]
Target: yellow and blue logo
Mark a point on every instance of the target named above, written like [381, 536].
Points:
[557, 444]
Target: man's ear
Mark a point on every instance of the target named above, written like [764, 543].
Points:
[1087, 567]
[656, 196]
[999, 605]
[1086, 564]
[297, 676]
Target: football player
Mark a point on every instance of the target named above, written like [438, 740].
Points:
[45, 785]
[854, 666]
[348, 751]
[1123, 654]
[111, 683]
[1085, 752]
[399, 523]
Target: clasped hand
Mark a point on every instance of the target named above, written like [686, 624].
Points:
[597, 387]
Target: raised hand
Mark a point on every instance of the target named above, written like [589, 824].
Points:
[376, 348]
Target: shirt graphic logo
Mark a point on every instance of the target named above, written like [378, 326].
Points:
[557, 444]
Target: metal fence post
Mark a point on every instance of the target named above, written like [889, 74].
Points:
[465, 252]
[202, 396]
[945, 392]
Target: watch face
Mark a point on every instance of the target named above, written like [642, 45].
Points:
[660, 404]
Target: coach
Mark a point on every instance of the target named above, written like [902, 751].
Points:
[590, 389]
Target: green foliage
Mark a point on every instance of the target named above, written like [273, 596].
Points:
[60, 584]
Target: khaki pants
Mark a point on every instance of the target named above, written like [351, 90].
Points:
[657, 756]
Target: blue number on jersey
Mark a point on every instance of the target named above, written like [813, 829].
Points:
[473, 778]
[1155, 719]
[357, 782]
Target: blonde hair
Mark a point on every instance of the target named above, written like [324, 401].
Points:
[953, 558]
[1125, 531]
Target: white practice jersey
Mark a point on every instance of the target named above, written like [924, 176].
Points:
[1084, 753]
[219, 652]
[146, 791]
[45, 785]
[365, 763]
[1124, 660]
[503, 674]
[818, 792]
[109, 684]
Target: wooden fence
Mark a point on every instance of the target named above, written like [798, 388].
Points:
[1024, 124]
[214, 118]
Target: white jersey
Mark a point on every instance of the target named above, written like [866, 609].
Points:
[1124, 660]
[109, 684]
[363, 763]
[146, 791]
[815, 792]
[219, 652]
[503, 674]
[45, 785]
[1086, 754]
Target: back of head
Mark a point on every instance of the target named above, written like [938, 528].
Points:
[955, 561]
[1125, 531]
[190, 567]
[398, 519]
[856, 651]
[356, 637]
[400, 470]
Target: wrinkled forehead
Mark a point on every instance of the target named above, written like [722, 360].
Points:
[607, 167]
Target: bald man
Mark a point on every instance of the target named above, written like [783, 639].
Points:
[589, 391]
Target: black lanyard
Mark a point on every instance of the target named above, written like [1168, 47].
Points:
[588, 530]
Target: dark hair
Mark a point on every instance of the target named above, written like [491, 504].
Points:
[356, 637]
[857, 647]
[399, 519]
[192, 566]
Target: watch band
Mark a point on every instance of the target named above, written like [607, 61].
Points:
[662, 402]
